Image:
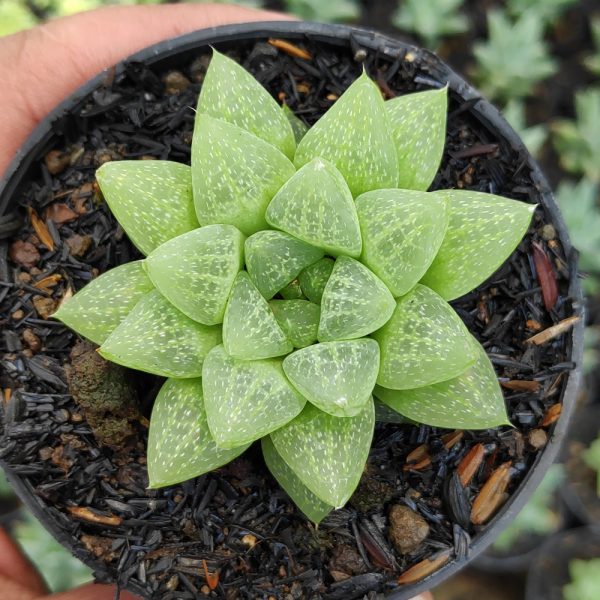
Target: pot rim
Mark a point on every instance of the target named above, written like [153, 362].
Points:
[343, 36]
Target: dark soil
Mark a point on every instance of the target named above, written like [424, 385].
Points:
[255, 543]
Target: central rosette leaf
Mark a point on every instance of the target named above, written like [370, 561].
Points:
[291, 276]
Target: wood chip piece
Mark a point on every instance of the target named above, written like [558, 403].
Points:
[552, 415]
[552, 332]
[87, 514]
[424, 568]
[290, 49]
[492, 494]
[41, 229]
[470, 463]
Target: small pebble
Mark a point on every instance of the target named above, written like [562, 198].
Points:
[32, 340]
[548, 232]
[44, 306]
[24, 253]
[249, 540]
[408, 530]
[537, 438]
[57, 161]
[79, 244]
[175, 82]
[18, 315]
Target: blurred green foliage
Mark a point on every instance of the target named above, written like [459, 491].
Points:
[534, 136]
[324, 11]
[539, 516]
[514, 58]
[592, 62]
[431, 20]
[592, 459]
[585, 580]
[5, 489]
[547, 11]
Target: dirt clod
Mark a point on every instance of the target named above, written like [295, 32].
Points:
[408, 529]
[24, 254]
[79, 244]
[56, 161]
[175, 82]
[44, 306]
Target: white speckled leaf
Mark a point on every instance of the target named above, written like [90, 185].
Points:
[157, 338]
[232, 94]
[355, 135]
[337, 377]
[328, 454]
[316, 206]
[402, 231]
[180, 445]
[235, 174]
[424, 342]
[299, 320]
[275, 258]
[246, 399]
[96, 310]
[418, 124]
[472, 400]
[292, 291]
[483, 231]
[250, 330]
[355, 302]
[299, 127]
[196, 270]
[313, 507]
[151, 199]
[313, 279]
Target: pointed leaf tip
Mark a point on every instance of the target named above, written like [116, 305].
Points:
[98, 309]
[313, 279]
[180, 445]
[355, 136]
[229, 92]
[473, 400]
[152, 200]
[246, 399]
[195, 271]
[250, 330]
[328, 454]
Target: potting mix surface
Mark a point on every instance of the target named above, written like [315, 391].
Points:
[234, 533]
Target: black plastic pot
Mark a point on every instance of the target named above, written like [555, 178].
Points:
[579, 491]
[549, 571]
[170, 53]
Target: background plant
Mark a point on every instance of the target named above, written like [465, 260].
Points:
[585, 580]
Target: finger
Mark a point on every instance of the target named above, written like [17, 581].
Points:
[14, 565]
[41, 66]
[92, 591]
[9, 590]
[424, 596]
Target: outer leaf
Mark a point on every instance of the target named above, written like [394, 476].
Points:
[314, 278]
[424, 342]
[299, 320]
[337, 377]
[180, 445]
[402, 231]
[246, 400]
[482, 233]
[472, 400]
[355, 135]
[355, 302]
[419, 129]
[231, 93]
[327, 453]
[235, 174]
[151, 199]
[314, 508]
[96, 310]
[316, 206]
[250, 330]
[157, 338]
[195, 271]
[274, 259]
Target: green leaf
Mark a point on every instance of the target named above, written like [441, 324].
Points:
[316, 206]
[232, 94]
[235, 174]
[314, 508]
[250, 330]
[402, 232]
[418, 124]
[246, 400]
[196, 270]
[473, 400]
[180, 445]
[151, 199]
[482, 233]
[314, 279]
[274, 259]
[292, 291]
[299, 320]
[299, 127]
[157, 338]
[355, 302]
[355, 135]
[96, 310]
[337, 377]
[328, 454]
[424, 342]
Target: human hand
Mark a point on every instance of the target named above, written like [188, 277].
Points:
[39, 68]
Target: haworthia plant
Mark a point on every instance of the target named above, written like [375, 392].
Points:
[288, 271]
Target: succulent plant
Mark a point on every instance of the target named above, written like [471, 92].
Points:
[321, 268]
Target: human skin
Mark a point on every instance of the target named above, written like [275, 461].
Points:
[40, 67]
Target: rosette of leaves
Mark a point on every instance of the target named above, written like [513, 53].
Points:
[291, 274]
